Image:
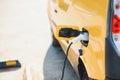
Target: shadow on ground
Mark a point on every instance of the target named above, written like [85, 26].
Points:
[8, 70]
[53, 65]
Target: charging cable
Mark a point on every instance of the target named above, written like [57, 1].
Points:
[82, 36]
[63, 71]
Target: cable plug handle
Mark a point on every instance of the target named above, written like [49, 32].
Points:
[83, 36]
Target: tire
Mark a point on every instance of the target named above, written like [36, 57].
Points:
[82, 71]
[55, 41]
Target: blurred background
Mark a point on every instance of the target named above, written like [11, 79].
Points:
[25, 35]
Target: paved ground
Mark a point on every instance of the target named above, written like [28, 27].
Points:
[25, 35]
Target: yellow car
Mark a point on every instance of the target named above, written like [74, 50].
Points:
[100, 60]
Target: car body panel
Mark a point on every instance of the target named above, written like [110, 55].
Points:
[92, 15]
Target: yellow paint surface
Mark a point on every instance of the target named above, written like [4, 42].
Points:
[92, 15]
[9, 63]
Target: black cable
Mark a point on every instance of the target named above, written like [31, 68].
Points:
[63, 71]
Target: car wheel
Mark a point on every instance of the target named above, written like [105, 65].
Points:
[82, 71]
[55, 42]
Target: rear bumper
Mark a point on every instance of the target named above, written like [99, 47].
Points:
[112, 61]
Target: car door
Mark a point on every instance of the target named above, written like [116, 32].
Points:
[92, 15]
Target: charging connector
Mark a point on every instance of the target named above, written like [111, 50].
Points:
[82, 37]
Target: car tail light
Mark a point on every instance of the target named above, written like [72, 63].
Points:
[116, 24]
